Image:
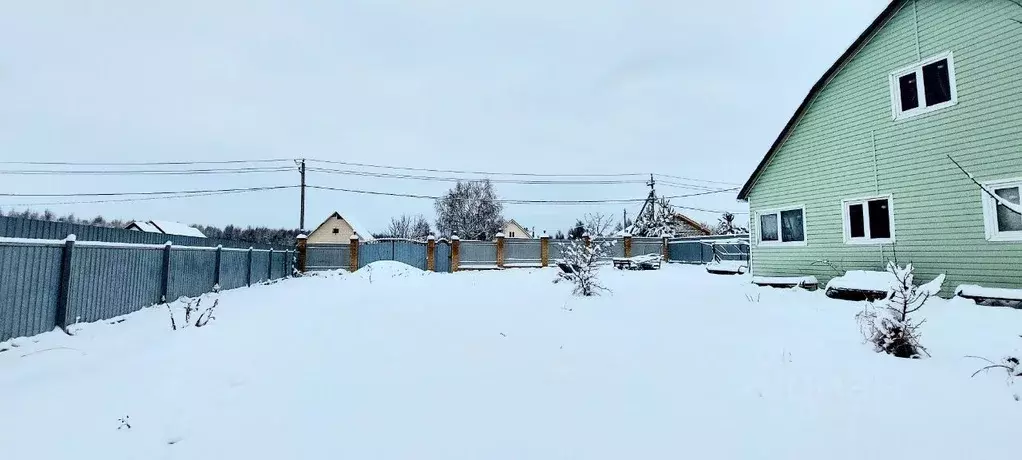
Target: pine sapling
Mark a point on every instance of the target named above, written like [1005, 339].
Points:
[889, 326]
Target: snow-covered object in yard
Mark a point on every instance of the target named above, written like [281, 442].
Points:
[387, 269]
[143, 226]
[863, 280]
[792, 281]
[973, 291]
[736, 267]
[676, 363]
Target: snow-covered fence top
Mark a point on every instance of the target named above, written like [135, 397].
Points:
[54, 283]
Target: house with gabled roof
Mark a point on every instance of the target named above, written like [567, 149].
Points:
[512, 229]
[165, 227]
[865, 170]
[339, 229]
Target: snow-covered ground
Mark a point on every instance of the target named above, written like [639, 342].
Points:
[392, 363]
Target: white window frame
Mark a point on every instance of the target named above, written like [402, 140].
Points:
[920, 87]
[779, 242]
[847, 224]
[990, 211]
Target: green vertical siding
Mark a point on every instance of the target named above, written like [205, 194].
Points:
[938, 212]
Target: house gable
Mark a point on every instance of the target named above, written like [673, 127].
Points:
[845, 145]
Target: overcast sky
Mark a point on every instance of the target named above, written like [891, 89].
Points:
[692, 89]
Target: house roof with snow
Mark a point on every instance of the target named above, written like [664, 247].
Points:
[166, 227]
[358, 229]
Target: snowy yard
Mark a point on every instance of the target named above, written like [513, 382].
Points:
[398, 364]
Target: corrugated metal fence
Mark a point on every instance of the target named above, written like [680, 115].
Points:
[17, 227]
[50, 283]
[701, 250]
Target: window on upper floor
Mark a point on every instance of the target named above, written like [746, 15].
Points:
[511, 234]
[337, 230]
[784, 227]
[924, 87]
[1002, 223]
[868, 221]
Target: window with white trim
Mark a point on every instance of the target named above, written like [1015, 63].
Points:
[1002, 223]
[869, 221]
[786, 227]
[924, 87]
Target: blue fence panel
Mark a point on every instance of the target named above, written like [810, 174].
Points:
[277, 265]
[260, 266]
[113, 281]
[477, 253]
[233, 268]
[374, 252]
[522, 252]
[410, 252]
[191, 272]
[442, 257]
[699, 250]
[29, 285]
[327, 257]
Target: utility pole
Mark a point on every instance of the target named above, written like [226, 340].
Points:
[301, 170]
[624, 220]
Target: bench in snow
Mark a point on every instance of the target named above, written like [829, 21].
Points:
[980, 293]
[806, 282]
[861, 285]
[727, 267]
[646, 262]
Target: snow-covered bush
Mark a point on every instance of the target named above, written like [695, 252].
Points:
[888, 326]
[1012, 365]
[581, 257]
[193, 306]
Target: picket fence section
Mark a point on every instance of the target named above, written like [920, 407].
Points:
[55, 283]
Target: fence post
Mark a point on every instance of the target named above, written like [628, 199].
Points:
[666, 251]
[500, 250]
[269, 266]
[431, 253]
[218, 264]
[353, 253]
[303, 248]
[455, 253]
[165, 283]
[627, 237]
[544, 250]
[64, 294]
[248, 278]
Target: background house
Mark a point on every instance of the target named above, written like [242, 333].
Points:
[512, 229]
[338, 229]
[165, 227]
[861, 173]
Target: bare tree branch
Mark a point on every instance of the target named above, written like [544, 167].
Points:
[1015, 208]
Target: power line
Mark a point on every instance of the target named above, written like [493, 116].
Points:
[148, 198]
[143, 163]
[512, 201]
[483, 173]
[157, 193]
[111, 172]
[696, 180]
[350, 172]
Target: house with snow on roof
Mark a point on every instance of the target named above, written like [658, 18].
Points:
[875, 164]
[512, 229]
[165, 227]
[339, 229]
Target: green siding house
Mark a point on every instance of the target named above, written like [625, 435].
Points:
[861, 173]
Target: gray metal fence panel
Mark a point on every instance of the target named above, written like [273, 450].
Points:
[327, 257]
[522, 252]
[478, 253]
[233, 269]
[192, 272]
[277, 265]
[18, 227]
[113, 281]
[442, 257]
[410, 252]
[687, 252]
[643, 246]
[29, 284]
[260, 266]
[614, 247]
[700, 250]
[557, 249]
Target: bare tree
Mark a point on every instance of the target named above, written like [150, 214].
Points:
[400, 227]
[580, 259]
[421, 227]
[470, 210]
[597, 224]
